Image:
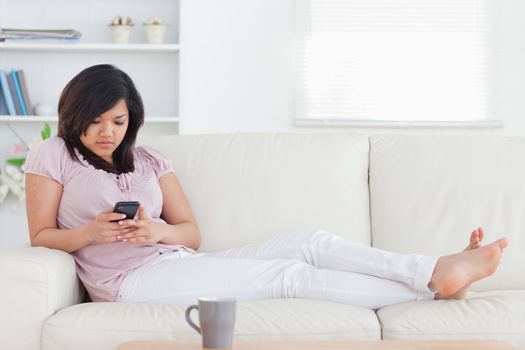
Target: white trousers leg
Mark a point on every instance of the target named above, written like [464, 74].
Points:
[310, 264]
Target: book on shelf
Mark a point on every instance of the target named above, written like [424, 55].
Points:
[6, 93]
[3, 106]
[34, 34]
[14, 95]
[19, 92]
[25, 94]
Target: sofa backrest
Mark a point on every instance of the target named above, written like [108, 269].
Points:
[246, 188]
[427, 193]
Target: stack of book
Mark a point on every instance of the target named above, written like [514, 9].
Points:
[33, 34]
[14, 98]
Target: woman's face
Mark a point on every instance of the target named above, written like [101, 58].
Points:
[107, 131]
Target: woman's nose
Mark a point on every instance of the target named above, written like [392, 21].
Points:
[106, 129]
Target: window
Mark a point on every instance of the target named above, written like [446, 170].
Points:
[420, 62]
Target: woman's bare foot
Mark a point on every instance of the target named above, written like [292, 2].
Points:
[476, 237]
[454, 273]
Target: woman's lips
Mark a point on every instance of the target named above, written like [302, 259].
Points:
[105, 144]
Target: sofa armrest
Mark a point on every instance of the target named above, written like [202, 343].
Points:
[35, 283]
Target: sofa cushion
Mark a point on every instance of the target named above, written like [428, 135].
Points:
[427, 193]
[486, 315]
[245, 188]
[35, 283]
[104, 325]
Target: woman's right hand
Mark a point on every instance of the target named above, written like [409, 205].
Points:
[102, 230]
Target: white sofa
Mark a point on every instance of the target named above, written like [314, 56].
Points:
[403, 193]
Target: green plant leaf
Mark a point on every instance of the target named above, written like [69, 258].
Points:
[16, 161]
[46, 132]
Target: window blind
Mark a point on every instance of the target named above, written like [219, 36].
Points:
[392, 60]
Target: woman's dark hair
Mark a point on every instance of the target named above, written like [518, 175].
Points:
[89, 94]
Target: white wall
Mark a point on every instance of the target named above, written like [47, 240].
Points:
[237, 76]
[237, 59]
[513, 67]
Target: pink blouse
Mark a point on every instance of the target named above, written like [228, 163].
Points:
[86, 193]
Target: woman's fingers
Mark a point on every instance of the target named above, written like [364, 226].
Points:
[114, 235]
[128, 223]
[136, 239]
[111, 239]
[142, 214]
[112, 216]
[134, 234]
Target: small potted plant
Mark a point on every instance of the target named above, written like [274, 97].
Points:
[120, 28]
[155, 30]
[12, 172]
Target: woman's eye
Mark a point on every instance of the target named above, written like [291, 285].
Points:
[120, 123]
[95, 122]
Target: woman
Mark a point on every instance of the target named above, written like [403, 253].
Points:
[74, 180]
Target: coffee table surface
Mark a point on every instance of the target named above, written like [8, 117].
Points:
[330, 345]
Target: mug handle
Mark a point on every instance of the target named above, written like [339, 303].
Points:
[188, 318]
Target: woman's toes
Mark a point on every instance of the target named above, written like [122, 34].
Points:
[503, 242]
[481, 234]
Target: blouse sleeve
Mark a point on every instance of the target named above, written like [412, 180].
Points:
[47, 159]
[158, 161]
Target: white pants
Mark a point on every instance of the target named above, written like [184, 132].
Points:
[311, 264]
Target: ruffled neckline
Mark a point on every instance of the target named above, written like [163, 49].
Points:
[123, 180]
[89, 165]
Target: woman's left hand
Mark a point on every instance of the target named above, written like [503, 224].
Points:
[144, 231]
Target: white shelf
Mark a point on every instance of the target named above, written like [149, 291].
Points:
[88, 47]
[53, 119]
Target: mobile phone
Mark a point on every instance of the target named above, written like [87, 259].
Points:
[129, 208]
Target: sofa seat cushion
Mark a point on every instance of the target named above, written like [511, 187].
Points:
[105, 325]
[486, 315]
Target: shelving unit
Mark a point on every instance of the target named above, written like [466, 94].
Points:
[49, 65]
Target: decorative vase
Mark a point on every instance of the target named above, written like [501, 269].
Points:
[121, 34]
[155, 33]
